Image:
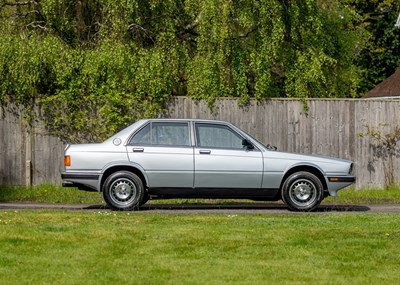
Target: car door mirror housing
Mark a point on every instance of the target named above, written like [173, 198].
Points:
[247, 144]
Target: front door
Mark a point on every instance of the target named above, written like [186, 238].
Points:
[221, 160]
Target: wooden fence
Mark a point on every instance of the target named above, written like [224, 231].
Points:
[329, 127]
[28, 155]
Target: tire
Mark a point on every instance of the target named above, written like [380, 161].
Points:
[144, 200]
[302, 191]
[123, 191]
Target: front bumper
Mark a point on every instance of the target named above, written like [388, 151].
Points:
[349, 179]
[335, 183]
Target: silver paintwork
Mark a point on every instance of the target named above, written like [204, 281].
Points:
[193, 167]
[165, 166]
[228, 168]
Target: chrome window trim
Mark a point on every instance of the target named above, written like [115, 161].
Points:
[187, 122]
[222, 148]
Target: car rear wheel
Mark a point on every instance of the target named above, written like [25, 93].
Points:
[123, 191]
[302, 191]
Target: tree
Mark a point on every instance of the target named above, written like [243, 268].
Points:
[380, 58]
[94, 66]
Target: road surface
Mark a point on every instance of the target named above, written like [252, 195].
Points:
[243, 208]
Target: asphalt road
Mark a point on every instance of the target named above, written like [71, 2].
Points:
[244, 208]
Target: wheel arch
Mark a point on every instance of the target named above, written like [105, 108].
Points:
[306, 168]
[129, 168]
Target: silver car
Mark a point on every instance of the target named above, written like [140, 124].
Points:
[162, 158]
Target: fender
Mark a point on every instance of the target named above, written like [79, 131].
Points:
[123, 164]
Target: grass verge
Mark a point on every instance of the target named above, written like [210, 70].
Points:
[48, 193]
[367, 196]
[63, 247]
[57, 194]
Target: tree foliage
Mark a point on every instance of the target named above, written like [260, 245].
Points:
[380, 58]
[94, 66]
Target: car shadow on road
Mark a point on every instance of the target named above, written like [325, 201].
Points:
[248, 207]
[239, 207]
[342, 208]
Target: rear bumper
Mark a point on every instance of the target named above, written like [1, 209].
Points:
[82, 181]
[79, 186]
[79, 176]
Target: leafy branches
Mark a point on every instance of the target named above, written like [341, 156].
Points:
[95, 66]
[379, 59]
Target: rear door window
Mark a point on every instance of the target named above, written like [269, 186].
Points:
[163, 134]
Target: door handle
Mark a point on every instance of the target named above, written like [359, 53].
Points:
[138, 150]
[203, 151]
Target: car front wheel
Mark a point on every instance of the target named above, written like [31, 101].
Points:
[302, 191]
[123, 191]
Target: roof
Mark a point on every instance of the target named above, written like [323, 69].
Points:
[387, 88]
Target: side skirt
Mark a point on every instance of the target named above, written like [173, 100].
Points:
[215, 193]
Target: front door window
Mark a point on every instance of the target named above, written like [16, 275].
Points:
[217, 136]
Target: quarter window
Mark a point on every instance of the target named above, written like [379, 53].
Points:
[217, 136]
[143, 137]
[163, 133]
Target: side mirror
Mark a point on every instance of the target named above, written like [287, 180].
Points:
[247, 144]
[271, 147]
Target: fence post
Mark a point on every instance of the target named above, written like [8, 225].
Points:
[29, 156]
[28, 173]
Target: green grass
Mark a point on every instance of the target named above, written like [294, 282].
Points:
[367, 196]
[47, 193]
[57, 194]
[61, 247]
[102, 247]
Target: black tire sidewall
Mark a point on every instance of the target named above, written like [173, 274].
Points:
[134, 205]
[292, 179]
[144, 199]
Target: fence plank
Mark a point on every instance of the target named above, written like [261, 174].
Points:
[330, 127]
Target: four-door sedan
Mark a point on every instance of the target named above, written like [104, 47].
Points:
[163, 158]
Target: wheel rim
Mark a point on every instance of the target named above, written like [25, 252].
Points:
[303, 193]
[123, 191]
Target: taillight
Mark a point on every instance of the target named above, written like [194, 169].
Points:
[351, 169]
[67, 160]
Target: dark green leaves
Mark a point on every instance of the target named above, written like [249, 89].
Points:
[96, 66]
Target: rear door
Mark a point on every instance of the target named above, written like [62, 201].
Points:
[164, 150]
